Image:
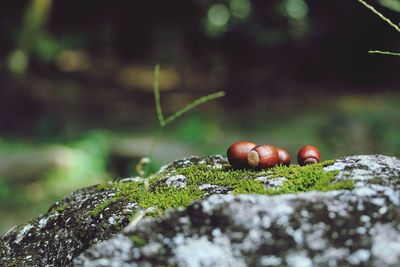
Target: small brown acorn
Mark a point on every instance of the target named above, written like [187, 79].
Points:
[237, 154]
[308, 155]
[262, 157]
[283, 156]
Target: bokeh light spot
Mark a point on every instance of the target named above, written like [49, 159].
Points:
[240, 8]
[18, 61]
[296, 9]
[218, 15]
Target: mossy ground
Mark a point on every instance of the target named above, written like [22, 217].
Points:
[159, 195]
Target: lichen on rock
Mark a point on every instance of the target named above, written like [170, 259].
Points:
[67, 229]
[217, 216]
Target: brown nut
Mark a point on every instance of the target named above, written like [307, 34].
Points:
[237, 154]
[283, 156]
[262, 157]
[308, 155]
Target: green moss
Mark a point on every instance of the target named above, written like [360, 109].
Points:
[299, 179]
[162, 197]
[59, 207]
[306, 178]
[138, 241]
[119, 226]
[100, 207]
[249, 186]
[102, 187]
[169, 197]
[62, 207]
[327, 162]
[341, 185]
[125, 192]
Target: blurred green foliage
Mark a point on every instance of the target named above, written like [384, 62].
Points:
[77, 163]
[392, 4]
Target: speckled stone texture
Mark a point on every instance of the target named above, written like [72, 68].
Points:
[360, 227]
[338, 228]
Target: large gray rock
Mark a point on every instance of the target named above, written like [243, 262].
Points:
[359, 227]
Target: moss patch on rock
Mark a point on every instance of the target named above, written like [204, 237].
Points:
[162, 196]
[298, 179]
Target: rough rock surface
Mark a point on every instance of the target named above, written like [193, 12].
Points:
[359, 227]
[58, 236]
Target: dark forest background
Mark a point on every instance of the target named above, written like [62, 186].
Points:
[76, 77]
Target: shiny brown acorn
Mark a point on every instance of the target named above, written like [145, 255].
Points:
[262, 157]
[283, 156]
[308, 155]
[237, 154]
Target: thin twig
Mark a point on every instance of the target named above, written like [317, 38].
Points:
[396, 27]
[144, 168]
[157, 95]
[192, 105]
[384, 53]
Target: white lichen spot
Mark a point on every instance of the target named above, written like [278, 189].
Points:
[42, 223]
[270, 261]
[151, 249]
[275, 183]
[130, 207]
[177, 181]
[298, 259]
[361, 230]
[296, 234]
[348, 242]
[337, 166]
[202, 162]
[304, 213]
[338, 207]
[198, 252]
[217, 166]
[383, 210]
[213, 189]
[111, 220]
[378, 201]
[365, 218]
[131, 179]
[179, 239]
[23, 233]
[359, 256]
[216, 232]
[364, 192]
[332, 215]
[163, 168]
[213, 201]
[315, 240]
[184, 220]
[266, 222]
[393, 195]
[206, 186]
